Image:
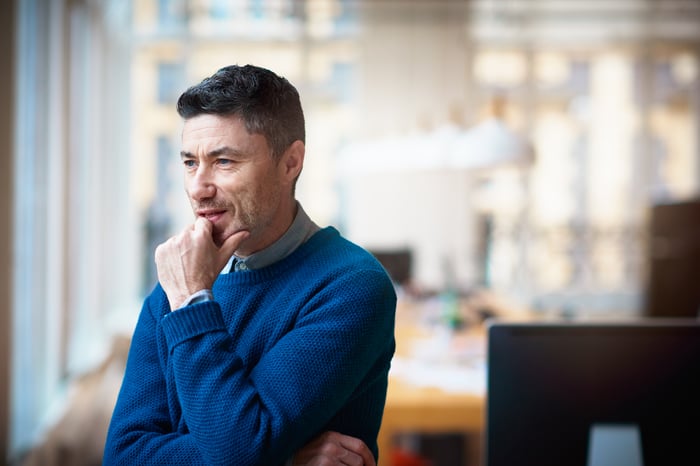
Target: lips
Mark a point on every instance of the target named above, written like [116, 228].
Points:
[211, 214]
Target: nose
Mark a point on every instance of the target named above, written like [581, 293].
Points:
[201, 185]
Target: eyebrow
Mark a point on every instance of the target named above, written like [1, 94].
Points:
[226, 150]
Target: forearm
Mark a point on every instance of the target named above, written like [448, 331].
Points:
[226, 414]
[149, 447]
[141, 429]
[196, 424]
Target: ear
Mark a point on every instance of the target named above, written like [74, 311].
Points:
[293, 160]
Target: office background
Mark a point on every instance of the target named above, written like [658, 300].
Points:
[516, 146]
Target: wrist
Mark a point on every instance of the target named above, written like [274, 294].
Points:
[200, 296]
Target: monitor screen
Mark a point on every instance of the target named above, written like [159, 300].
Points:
[672, 288]
[553, 387]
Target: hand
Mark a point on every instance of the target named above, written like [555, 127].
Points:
[332, 448]
[190, 262]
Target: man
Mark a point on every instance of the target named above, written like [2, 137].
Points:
[266, 334]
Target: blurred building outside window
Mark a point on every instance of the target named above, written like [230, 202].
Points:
[172, 14]
[170, 78]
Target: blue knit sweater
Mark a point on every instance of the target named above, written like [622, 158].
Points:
[283, 353]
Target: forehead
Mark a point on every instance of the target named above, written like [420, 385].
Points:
[208, 130]
[208, 125]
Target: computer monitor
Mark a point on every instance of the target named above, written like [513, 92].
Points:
[672, 287]
[554, 388]
[397, 262]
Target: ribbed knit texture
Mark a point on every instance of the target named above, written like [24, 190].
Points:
[282, 354]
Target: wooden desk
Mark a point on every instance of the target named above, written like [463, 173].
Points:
[427, 410]
[423, 409]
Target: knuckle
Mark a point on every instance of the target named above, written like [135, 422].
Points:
[330, 449]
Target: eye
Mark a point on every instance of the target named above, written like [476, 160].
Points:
[224, 162]
[189, 163]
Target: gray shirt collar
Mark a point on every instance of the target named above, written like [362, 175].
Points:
[301, 229]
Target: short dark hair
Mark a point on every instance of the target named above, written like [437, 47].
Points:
[267, 103]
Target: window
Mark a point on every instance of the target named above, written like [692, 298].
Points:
[170, 82]
[158, 221]
[172, 14]
[75, 232]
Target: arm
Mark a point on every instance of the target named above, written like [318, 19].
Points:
[141, 429]
[225, 410]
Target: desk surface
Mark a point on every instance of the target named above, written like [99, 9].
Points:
[420, 407]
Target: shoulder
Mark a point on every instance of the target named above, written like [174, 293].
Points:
[329, 249]
[341, 268]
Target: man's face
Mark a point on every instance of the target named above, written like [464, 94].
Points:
[232, 179]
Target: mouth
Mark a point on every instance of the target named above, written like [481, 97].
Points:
[211, 214]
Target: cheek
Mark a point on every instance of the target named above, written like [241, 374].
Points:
[251, 194]
[231, 190]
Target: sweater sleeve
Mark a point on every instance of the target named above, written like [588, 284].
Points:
[260, 415]
[141, 430]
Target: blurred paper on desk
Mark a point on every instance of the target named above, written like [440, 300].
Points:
[447, 376]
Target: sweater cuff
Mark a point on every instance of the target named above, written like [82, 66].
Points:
[191, 322]
[198, 297]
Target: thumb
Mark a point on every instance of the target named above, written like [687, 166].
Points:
[231, 243]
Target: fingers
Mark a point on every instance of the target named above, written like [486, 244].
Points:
[333, 448]
[358, 447]
[203, 226]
